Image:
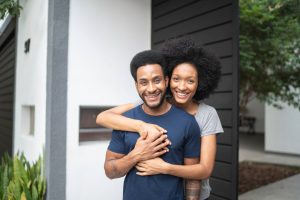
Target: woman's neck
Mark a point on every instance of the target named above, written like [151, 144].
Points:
[191, 107]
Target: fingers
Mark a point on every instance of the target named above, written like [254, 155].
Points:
[161, 147]
[142, 173]
[140, 168]
[160, 129]
[159, 153]
[161, 139]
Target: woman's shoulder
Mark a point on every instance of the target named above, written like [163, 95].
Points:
[208, 119]
[205, 108]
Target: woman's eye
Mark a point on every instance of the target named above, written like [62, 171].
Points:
[191, 81]
[175, 79]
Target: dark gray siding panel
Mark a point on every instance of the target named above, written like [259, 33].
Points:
[215, 25]
[7, 74]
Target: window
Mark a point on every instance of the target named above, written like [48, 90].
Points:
[88, 129]
[28, 119]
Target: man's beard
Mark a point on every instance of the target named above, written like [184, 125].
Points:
[163, 95]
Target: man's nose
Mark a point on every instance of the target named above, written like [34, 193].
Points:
[151, 87]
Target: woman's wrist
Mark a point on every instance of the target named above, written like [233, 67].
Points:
[140, 127]
[166, 168]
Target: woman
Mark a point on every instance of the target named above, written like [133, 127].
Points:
[194, 74]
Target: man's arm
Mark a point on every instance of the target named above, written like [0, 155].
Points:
[192, 186]
[117, 165]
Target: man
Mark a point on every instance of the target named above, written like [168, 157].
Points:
[126, 149]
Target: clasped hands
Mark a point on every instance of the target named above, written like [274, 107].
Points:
[153, 142]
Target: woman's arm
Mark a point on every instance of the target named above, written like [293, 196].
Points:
[198, 171]
[112, 118]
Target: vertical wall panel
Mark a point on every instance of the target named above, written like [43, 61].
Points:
[215, 25]
[7, 77]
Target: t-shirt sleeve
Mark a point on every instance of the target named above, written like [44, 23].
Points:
[211, 123]
[117, 142]
[192, 143]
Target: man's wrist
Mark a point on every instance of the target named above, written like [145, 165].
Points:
[134, 157]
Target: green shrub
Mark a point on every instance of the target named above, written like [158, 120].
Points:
[21, 180]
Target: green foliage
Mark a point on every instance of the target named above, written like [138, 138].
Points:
[270, 51]
[20, 180]
[10, 7]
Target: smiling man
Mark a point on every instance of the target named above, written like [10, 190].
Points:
[126, 149]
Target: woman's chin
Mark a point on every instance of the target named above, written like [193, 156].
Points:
[181, 101]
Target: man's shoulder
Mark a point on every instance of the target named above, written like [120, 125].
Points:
[132, 113]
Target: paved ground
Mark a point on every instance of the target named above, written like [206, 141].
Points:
[286, 189]
[252, 149]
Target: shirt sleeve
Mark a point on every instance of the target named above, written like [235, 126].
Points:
[117, 142]
[192, 142]
[211, 123]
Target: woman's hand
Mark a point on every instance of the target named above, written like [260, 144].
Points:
[151, 167]
[152, 132]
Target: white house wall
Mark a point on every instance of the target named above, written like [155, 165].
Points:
[30, 85]
[282, 130]
[103, 37]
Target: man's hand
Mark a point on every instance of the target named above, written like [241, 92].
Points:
[148, 148]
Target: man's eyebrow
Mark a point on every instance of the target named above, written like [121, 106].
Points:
[142, 79]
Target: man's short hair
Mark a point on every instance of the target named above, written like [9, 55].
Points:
[147, 57]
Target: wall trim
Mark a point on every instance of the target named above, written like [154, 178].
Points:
[56, 98]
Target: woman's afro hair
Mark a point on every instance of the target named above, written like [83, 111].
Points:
[185, 50]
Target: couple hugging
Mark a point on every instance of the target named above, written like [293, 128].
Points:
[166, 145]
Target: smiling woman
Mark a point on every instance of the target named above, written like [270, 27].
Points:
[184, 83]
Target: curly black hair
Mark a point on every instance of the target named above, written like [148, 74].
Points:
[185, 50]
[147, 57]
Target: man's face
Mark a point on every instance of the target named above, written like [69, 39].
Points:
[151, 85]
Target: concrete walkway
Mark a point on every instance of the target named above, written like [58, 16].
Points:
[286, 189]
[252, 149]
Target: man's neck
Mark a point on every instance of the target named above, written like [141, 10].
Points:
[162, 109]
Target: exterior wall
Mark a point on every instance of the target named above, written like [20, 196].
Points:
[7, 81]
[30, 86]
[103, 37]
[282, 130]
[215, 25]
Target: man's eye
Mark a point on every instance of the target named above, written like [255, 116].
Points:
[158, 80]
[143, 82]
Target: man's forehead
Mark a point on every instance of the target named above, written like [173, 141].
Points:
[150, 69]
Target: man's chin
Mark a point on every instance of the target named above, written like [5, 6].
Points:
[153, 105]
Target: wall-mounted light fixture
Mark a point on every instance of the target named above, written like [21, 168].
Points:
[27, 46]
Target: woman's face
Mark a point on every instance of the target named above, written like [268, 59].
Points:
[184, 83]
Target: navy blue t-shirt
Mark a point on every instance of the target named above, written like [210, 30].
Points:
[183, 131]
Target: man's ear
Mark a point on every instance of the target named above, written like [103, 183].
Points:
[167, 80]
[136, 85]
